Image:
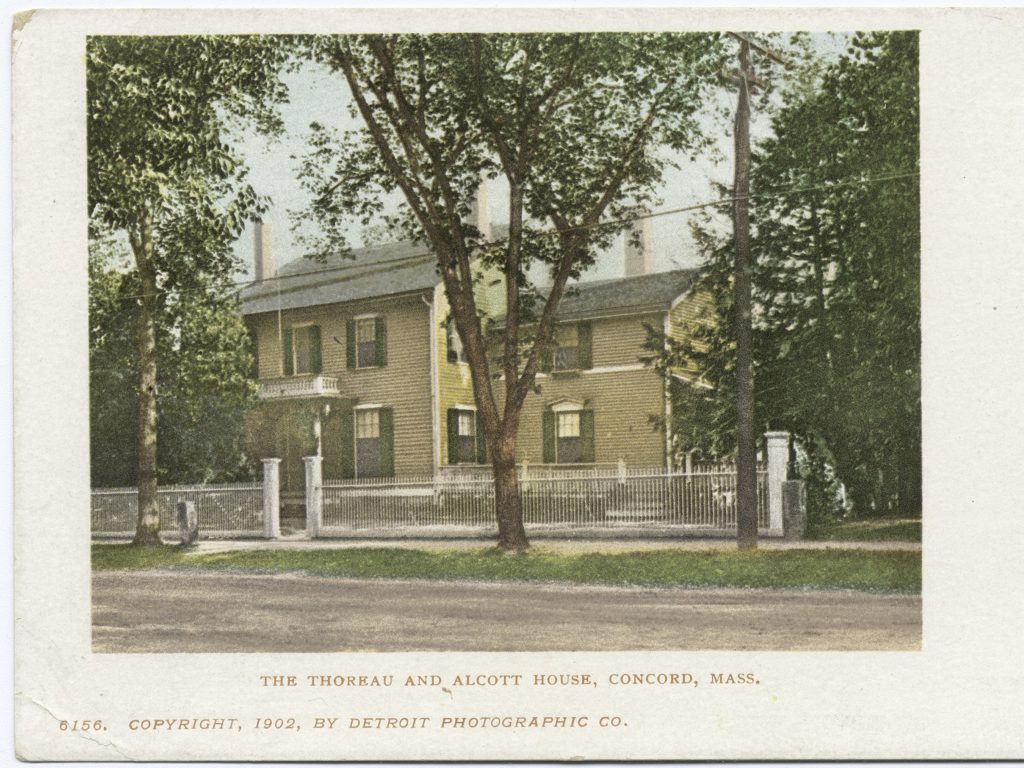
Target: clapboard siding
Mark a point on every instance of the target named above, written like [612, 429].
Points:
[694, 310]
[403, 384]
[619, 340]
[623, 403]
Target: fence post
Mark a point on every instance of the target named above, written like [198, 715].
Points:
[622, 471]
[525, 479]
[778, 458]
[271, 498]
[314, 494]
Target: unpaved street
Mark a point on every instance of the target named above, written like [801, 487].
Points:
[152, 611]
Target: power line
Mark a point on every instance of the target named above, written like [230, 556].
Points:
[416, 258]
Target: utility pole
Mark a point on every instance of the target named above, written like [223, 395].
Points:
[746, 454]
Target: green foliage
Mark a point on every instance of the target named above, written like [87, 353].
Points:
[773, 569]
[204, 379]
[836, 283]
[582, 126]
[164, 176]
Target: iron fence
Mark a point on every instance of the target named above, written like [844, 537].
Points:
[594, 497]
[232, 509]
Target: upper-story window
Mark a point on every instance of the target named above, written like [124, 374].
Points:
[366, 343]
[571, 348]
[456, 352]
[567, 339]
[301, 351]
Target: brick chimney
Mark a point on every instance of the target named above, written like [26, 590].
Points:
[638, 248]
[263, 255]
[479, 213]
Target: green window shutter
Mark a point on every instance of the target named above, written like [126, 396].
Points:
[350, 344]
[453, 436]
[348, 447]
[481, 441]
[584, 356]
[380, 333]
[315, 357]
[587, 437]
[387, 443]
[549, 437]
[287, 358]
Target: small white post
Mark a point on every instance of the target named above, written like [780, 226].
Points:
[271, 498]
[622, 471]
[778, 458]
[525, 482]
[314, 494]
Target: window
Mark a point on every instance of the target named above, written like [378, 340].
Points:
[302, 350]
[465, 438]
[566, 348]
[366, 342]
[367, 424]
[367, 445]
[467, 435]
[570, 349]
[568, 434]
[456, 354]
[568, 438]
[368, 452]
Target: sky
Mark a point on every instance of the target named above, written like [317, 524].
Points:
[318, 95]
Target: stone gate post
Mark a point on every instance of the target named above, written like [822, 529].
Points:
[778, 458]
[271, 498]
[314, 494]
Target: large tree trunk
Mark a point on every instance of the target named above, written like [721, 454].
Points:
[507, 502]
[147, 529]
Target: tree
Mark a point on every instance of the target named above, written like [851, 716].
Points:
[203, 376]
[580, 128]
[161, 171]
[836, 283]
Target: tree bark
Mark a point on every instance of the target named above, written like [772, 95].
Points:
[746, 457]
[147, 529]
[508, 504]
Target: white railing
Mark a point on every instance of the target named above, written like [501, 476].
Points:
[233, 509]
[591, 497]
[298, 386]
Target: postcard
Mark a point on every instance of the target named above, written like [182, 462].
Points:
[517, 384]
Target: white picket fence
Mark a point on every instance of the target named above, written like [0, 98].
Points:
[553, 498]
[223, 510]
[701, 499]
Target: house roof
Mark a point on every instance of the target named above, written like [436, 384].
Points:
[653, 292]
[363, 273]
[397, 268]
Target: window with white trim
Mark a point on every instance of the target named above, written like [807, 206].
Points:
[566, 348]
[368, 442]
[366, 342]
[567, 433]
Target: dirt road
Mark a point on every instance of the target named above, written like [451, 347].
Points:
[164, 612]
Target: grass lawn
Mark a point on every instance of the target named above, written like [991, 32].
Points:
[880, 529]
[823, 569]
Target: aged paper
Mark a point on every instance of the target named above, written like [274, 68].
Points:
[959, 696]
